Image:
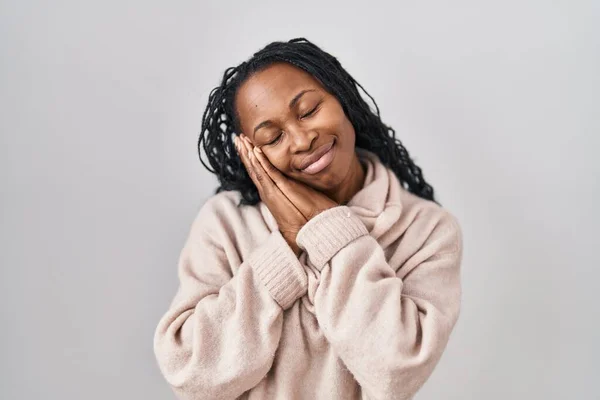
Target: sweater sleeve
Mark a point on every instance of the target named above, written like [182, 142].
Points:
[219, 337]
[390, 332]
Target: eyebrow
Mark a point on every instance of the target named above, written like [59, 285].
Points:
[290, 106]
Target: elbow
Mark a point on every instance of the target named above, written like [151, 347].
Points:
[407, 373]
[178, 363]
[175, 362]
[195, 371]
[187, 373]
[403, 376]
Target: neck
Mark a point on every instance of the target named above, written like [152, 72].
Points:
[352, 184]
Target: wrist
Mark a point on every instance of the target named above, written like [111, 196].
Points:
[290, 238]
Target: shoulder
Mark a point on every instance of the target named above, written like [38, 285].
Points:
[432, 222]
[218, 213]
[221, 204]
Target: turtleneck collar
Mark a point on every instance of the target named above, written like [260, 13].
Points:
[379, 197]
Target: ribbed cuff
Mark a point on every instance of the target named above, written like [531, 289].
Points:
[279, 270]
[328, 232]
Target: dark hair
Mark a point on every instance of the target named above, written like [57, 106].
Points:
[220, 121]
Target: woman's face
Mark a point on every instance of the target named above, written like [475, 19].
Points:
[290, 116]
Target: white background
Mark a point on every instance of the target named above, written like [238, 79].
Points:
[101, 105]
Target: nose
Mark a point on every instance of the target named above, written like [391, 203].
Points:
[302, 139]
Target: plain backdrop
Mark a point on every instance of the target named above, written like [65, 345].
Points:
[101, 104]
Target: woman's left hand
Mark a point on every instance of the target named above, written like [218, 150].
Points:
[307, 200]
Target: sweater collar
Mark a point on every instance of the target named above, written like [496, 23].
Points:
[377, 204]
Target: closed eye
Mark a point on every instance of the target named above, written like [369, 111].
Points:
[311, 112]
[275, 141]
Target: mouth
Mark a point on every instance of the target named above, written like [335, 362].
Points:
[322, 162]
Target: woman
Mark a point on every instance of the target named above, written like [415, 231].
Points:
[322, 268]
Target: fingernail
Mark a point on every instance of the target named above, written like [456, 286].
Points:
[258, 149]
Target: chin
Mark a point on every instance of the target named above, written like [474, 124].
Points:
[326, 182]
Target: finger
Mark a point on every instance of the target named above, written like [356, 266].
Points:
[243, 146]
[261, 177]
[243, 153]
[249, 149]
[276, 176]
[285, 184]
[236, 144]
[239, 147]
[260, 174]
[247, 145]
[269, 190]
[246, 148]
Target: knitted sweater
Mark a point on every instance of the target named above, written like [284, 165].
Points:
[364, 312]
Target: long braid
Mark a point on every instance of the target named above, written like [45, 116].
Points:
[220, 122]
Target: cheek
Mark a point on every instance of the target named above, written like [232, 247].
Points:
[335, 119]
[278, 158]
[331, 118]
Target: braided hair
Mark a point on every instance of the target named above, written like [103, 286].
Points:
[220, 121]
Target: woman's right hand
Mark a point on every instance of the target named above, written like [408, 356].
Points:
[288, 218]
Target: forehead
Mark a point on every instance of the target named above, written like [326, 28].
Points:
[269, 91]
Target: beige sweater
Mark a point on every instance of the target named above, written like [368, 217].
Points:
[365, 312]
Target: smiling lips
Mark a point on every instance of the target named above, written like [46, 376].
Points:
[320, 160]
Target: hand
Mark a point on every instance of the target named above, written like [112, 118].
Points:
[289, 218]
[307, 200]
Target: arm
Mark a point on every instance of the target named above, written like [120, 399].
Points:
[390, 332]
[220, 335]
